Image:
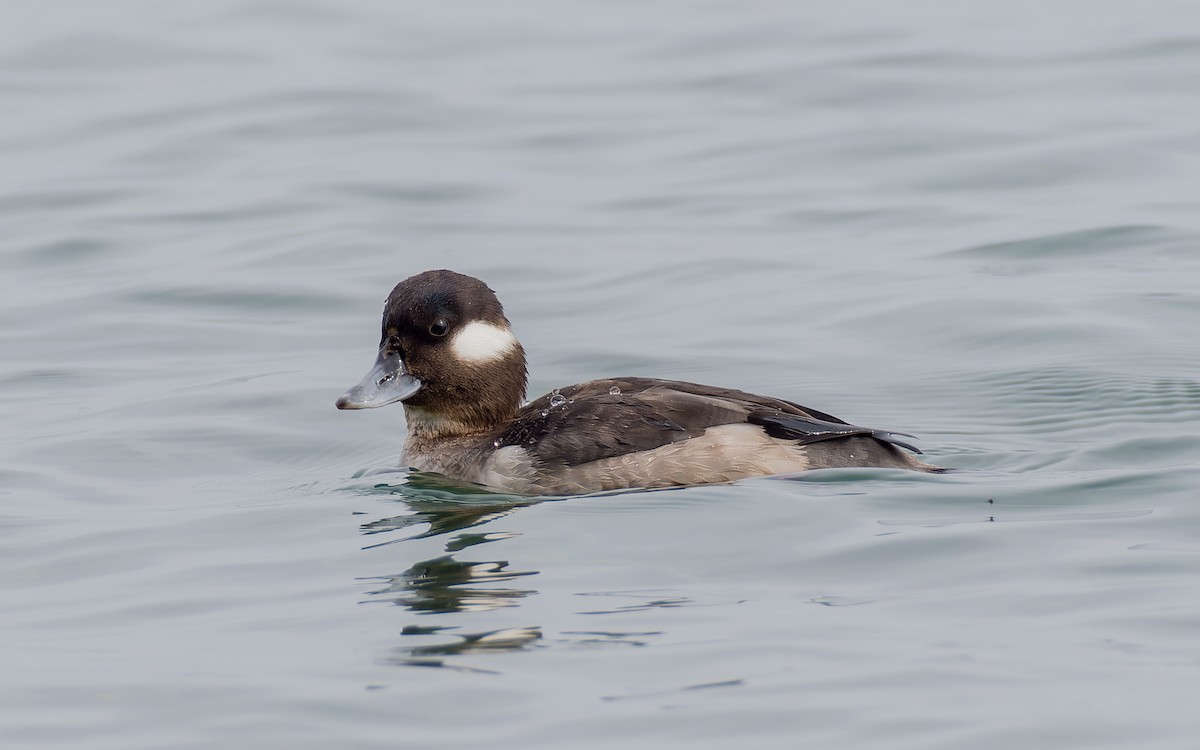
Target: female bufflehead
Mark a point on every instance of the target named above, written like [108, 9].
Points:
[448, 354]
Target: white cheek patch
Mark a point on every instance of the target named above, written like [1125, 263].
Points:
[482, 342]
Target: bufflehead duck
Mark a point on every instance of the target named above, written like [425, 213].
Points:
[448, 354]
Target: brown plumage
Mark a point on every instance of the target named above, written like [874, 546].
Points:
[461, 376]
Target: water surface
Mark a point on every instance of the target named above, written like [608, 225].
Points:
[976, 224]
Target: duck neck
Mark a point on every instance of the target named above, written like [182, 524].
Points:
[428, 424]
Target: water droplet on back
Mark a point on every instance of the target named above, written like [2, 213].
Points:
[557, 400]
[614, 391]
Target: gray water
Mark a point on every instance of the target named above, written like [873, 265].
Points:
[974, 222]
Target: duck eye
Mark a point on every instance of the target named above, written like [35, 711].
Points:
[439, 328]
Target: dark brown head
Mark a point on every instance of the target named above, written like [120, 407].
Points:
[448, 353]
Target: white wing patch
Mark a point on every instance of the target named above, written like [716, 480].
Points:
[483, 342]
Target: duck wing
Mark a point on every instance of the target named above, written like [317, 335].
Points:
[608, 418]
[806, 430]
[601, 419]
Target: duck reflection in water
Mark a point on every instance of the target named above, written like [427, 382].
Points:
[444, 505]
[444, 585]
